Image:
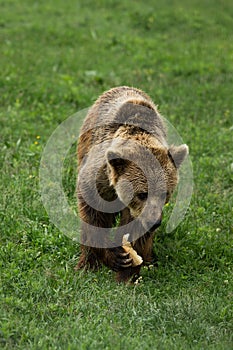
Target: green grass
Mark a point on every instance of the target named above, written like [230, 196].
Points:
[56, 58]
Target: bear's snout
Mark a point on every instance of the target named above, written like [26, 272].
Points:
[155, 225]
[152, 224]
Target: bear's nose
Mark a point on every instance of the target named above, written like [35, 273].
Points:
[154, 225]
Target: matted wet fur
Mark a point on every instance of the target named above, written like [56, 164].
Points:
[122, 130]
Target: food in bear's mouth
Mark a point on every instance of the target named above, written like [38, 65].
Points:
[136, 259]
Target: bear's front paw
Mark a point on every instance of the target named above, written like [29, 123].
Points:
[120, 259]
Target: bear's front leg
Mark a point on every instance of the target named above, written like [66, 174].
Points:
[92, 238]
[117, 259]
[88, 259]
[144, 247]
[121, 262]
[129, 274]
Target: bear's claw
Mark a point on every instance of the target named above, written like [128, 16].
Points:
[122, 261]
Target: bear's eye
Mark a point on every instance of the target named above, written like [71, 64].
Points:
[142, 196]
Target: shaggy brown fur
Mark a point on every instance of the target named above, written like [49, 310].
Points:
[124, 157]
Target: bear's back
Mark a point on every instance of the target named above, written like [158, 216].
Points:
[116, 107]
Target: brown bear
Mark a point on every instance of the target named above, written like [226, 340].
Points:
[127, 172]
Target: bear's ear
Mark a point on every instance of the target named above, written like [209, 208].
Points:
[178, 154]
[116, 161]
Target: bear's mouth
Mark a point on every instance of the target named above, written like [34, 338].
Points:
[155, 225]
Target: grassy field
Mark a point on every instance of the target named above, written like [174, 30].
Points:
[56, 58]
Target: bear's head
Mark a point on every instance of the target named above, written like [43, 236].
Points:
[144, 174]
